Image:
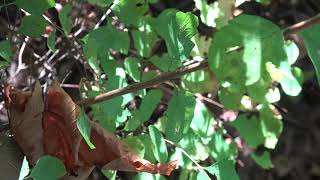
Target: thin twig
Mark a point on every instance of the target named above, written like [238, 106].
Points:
[301, 25]
[138, 86]
[186, 154]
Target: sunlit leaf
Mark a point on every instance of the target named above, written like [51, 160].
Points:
[160, 148]
[165, 63]
[132, 67]
[25, 169]
[177, 29]
[223, 170]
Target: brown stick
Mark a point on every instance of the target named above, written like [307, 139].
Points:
[180, 72]
[138, 86]
[301, 25]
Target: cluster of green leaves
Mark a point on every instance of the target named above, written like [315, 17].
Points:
[247, 56]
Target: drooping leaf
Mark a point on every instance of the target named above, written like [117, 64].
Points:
[223, 170]
[177, 29]
[65, 18]
[51, 41]
[247, 42]
[263, 160]
[101, 3]
[132, 67]
[35, 7]
[5, 50]
[129, 12]
[160, 148]
[32, 26]
[48, 167]
[310, 37]
[85, 128]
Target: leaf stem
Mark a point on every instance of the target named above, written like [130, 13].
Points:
[186, 154]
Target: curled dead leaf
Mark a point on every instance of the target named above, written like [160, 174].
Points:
[50, 129]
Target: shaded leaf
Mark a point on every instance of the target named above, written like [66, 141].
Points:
[32, 26]
[200, 82]
[48, 167]
[165, 63]
[51, 41]
[35, 7]
[65, 18]
[263, 160]
[5, 50]
[135, 145]
[311, 38]
[101, 3]
[129, 12]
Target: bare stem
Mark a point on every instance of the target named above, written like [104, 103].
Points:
[301, 25]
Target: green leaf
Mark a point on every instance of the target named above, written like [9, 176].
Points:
[145, 37]
[5, 50]
[149, 148]
[202, 122]
[132, 67]
[220, 149]
[180, 113]
[32, 26]
[147, 106]
[51, 41]
[270, 125]
[111, 175]
[311, 38]
[165, 63]
[160, 148]
[216, 14]
[85, 128]
[35, 7]
[200, 82]
[65, 18]
[264, 160]
[247, 43]
[230, 100]
[250, 130]
[194, 147]
[135, 144]
[98, 41]
[265, 2]
[49, 168]
[129, 12]
[223, 170]
[101, 3]
[177, 29]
